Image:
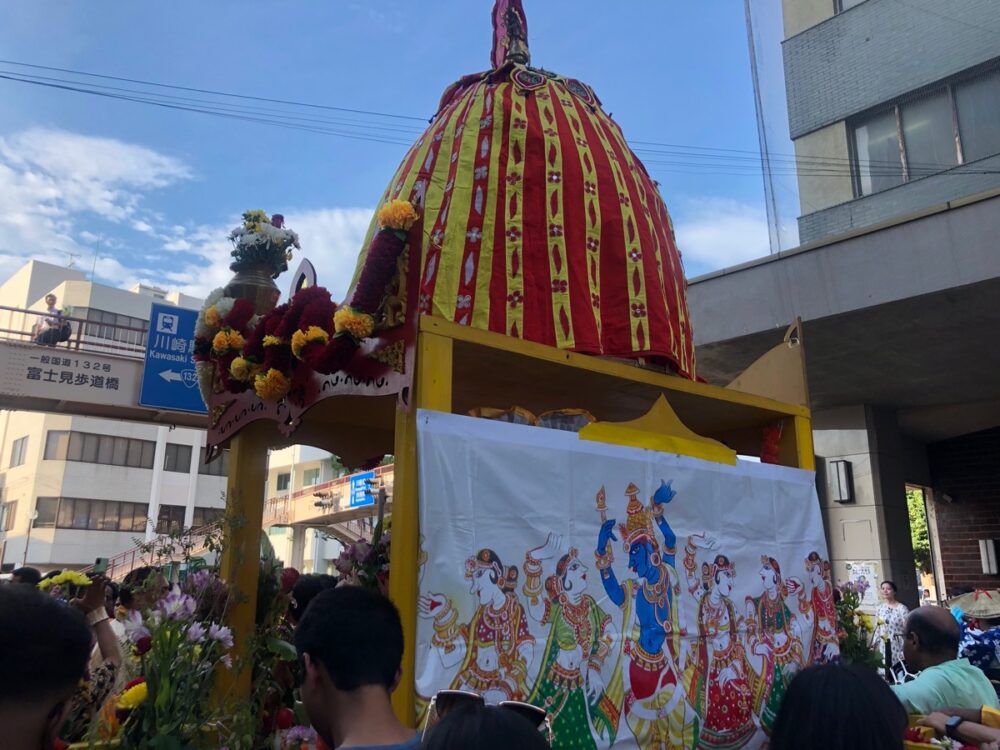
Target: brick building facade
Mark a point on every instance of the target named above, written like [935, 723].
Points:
[967, 468]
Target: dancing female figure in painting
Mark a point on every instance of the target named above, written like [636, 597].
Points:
[495, 647]
[823, 645]
[655, 704]
[720, 691]
[775, 636]
[569, 686]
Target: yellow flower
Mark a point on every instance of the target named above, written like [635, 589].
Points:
[397, 214]
[273, 341]
[314, 334]
[134, 696]
[359, 324]
[272, 385]
[241, 369]
[212, 317]
[225, 340]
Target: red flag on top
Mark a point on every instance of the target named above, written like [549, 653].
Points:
[509, 24]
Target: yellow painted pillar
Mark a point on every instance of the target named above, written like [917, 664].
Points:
[796, 447]
[240, 564]
[433, 383]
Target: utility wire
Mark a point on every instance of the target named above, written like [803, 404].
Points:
[680, 157]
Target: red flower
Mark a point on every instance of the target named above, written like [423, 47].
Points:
[289, 577]
[133, 683]
[559, 286]
[286, 718]
[143, 645]
[278, 221]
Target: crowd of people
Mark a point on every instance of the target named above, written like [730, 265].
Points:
[63, 656]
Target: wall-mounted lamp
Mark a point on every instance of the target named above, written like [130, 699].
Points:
[840, 481]
[988, 556]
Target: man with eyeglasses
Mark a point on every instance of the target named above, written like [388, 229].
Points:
[350, 643]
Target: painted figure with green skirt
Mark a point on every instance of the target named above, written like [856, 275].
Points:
[775, 637]
[570, 686]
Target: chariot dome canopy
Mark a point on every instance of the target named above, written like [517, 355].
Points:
[537, 219]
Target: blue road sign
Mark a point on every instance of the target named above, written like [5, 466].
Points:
[359, 498]
[169, 378]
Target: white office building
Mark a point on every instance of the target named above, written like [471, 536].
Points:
[74, 488]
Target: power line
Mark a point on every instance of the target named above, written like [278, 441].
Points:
[678, 157]
[210, 91]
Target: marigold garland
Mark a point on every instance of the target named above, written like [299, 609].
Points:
[241, 369]
[273, 341]
[357, 323]
[312, 335]
[227, 340]
[398, 215]
[272, 385]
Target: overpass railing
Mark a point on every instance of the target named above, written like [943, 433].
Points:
[87, 335]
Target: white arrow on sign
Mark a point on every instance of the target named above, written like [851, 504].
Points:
[171, 377]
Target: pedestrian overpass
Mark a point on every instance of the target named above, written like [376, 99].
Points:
[98, 373]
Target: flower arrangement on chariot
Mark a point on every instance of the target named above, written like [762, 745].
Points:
[277, 353]
[262, 241]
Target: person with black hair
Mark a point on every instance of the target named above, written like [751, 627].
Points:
[930, 647]
[476, 725]
[142, 588]
[26, 575]
[45, 650]
[350, 643]
[890, 619]
[836, 707]
[306, 589]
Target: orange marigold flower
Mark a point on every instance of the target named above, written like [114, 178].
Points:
[397, 214]
[359, 324]
[312, 335]
[273, 341]
[241, 369]
[272, 385]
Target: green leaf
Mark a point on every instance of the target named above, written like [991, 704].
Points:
[281, 648]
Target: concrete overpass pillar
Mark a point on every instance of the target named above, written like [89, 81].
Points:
[875, 527]
[298, 547]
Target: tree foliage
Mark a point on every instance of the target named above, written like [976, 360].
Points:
[918, 529]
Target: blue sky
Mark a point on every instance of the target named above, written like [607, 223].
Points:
[157, 189]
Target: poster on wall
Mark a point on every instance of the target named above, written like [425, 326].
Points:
[864, 577]
[644, 600]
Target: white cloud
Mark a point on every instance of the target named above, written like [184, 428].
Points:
[52, 183]
[331, 239]
[714, 233]
[142, 226]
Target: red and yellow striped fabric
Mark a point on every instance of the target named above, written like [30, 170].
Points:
[539, 222]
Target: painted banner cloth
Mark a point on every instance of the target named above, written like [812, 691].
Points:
[643, 599]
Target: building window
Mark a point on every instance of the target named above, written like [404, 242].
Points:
[18, 449]
[978, 103]
[177, 458]
[7, 513]
[206, 516]
[124, 329]
[61, 445]
[170, 519]
[92, 515]
[310, 477]
[218, 468]
[284, 482]
[957, 124]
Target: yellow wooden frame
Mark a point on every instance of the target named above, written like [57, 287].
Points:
[460, 368]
